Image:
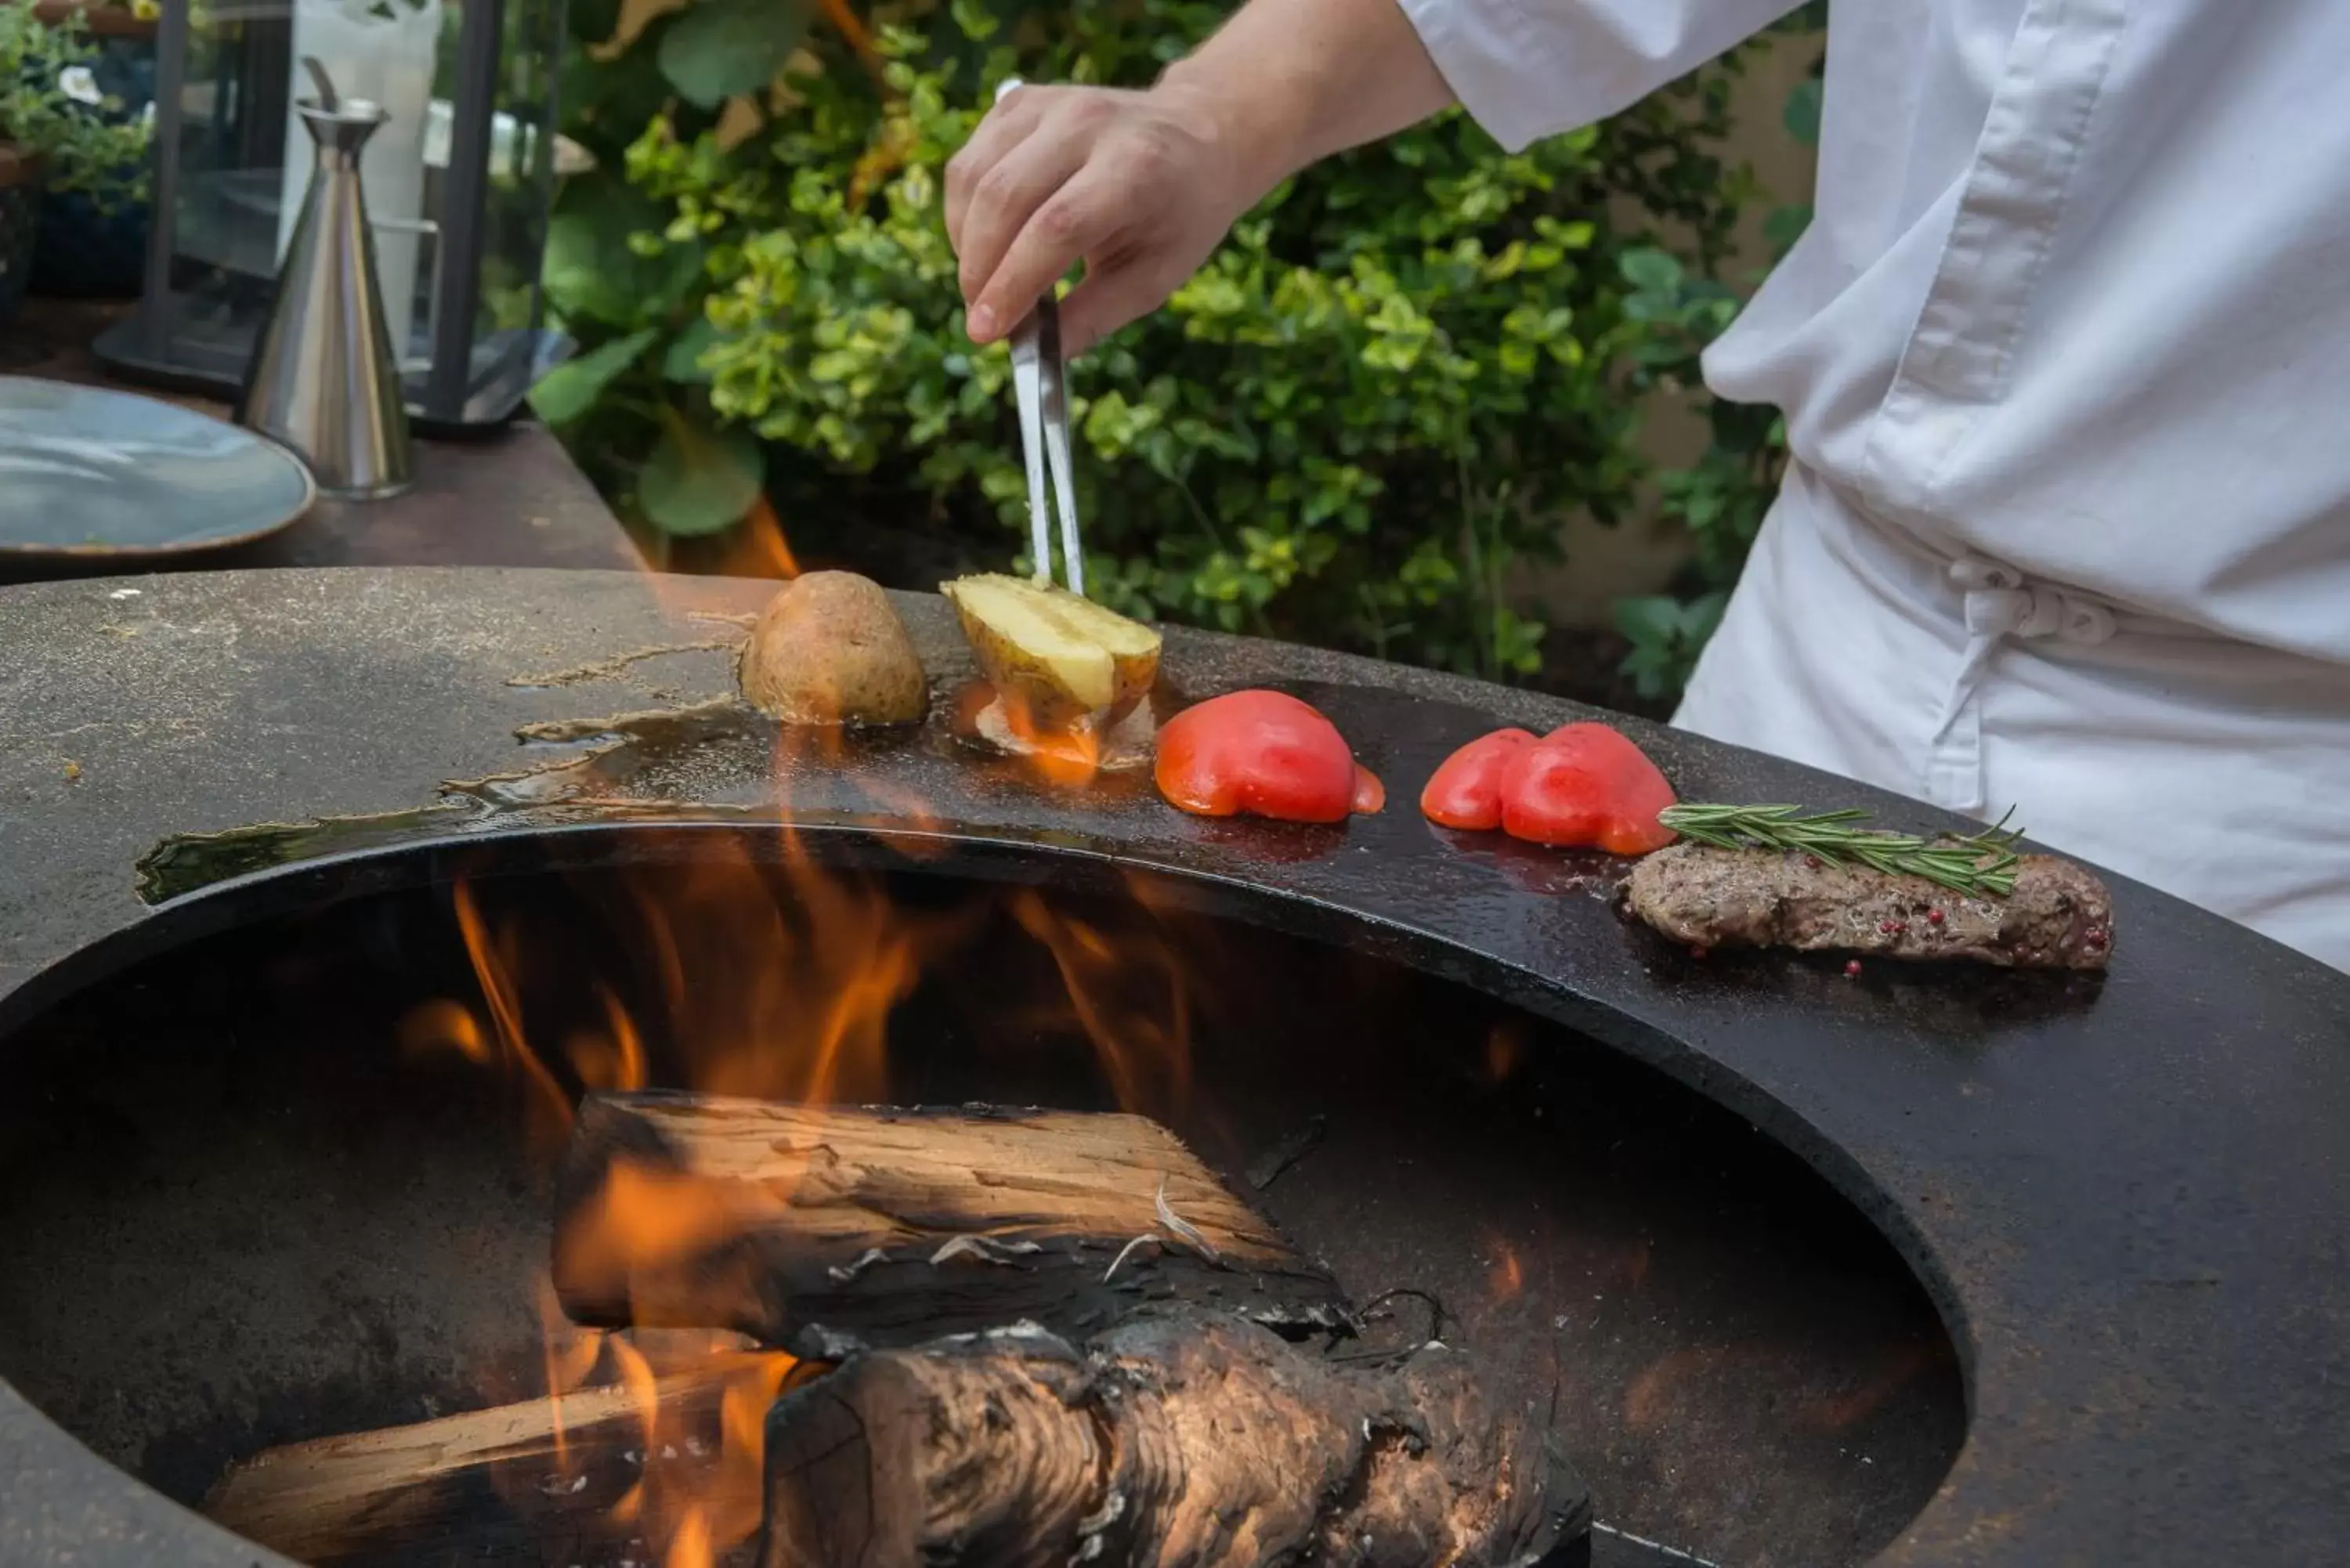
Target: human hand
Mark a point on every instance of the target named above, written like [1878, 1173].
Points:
[1140, 186]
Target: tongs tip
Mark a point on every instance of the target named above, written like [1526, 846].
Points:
[1039, 383]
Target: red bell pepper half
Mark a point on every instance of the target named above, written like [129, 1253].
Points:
[1466, 792]
[1580, 785]
[1264, 753]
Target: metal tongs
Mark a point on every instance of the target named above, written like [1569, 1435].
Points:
[1039, 383]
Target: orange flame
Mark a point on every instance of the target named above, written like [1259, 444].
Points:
[569, 1354]
[549, 1109]
[1834, 1413]
[737, 1495]
[443, 1025]
[803, 978]
[1067, 759]
[757, 547]
[777, 981]
[1503, 1049]
[689, 1546]
[765, 974]
[644, 1395]
[1133, 1000]
[698, 1495]
[1505, 1276]
[645, 1218]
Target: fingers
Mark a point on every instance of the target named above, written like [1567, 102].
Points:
[1115, 291]
[1001, 130]
[1079, 219]
[1005, 201]
[1056, 175]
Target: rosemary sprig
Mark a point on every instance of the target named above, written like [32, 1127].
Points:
[1982, 864]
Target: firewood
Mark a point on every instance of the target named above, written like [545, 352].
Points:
[821, 1230]
[539, 1481]
[1180, 1437]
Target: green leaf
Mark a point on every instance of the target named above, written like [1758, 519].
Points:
[683, 361]
[1667, 635]
[700, 481]
[1650, 270]
[1700, 618]
[593, 273]
[576, 285]
[605, 103]
[719, 48]
[569, 391]
[1802, 116]
[1651, 622]
[975, 17]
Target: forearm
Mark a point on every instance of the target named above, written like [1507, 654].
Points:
[1289, 82]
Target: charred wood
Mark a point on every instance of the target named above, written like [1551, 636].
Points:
[1180, 1437]
[825, 1229]
[561, 1482]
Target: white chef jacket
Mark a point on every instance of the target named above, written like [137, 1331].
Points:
[2065, 362]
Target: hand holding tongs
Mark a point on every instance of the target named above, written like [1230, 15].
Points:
[1039, 384]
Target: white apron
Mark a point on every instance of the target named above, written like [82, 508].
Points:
[2210, 768]
[2072, 321]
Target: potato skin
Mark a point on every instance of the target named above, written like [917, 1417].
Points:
[829, 650]
[1024, 681]
[1137, 674]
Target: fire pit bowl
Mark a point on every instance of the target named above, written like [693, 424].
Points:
[2123, 1206]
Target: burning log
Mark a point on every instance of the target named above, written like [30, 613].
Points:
[1180, 1437]
[554, 1481]
[824, 1230]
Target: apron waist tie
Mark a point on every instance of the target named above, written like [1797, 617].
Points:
[1997, 603]
[2000, 603]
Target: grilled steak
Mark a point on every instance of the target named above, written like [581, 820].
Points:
[2060, 916]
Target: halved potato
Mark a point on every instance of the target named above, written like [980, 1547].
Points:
[1064, 659]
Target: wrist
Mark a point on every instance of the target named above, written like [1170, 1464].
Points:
[1259, 143]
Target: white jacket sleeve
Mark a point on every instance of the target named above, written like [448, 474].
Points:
[1529, 69]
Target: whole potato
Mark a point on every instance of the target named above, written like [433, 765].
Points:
[828, 650]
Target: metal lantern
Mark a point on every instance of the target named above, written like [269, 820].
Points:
[458, 184]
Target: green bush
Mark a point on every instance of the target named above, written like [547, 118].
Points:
[1720, 498]
[1403, 369]
[51, 107]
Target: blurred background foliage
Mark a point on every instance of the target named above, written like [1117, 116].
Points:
[1353, 428]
